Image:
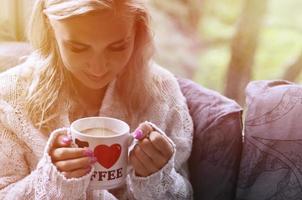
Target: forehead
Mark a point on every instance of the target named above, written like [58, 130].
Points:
[102, 26]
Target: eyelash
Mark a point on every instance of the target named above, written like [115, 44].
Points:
[116, 49]
[120, 48]
[77, 50]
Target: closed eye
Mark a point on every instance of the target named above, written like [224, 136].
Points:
[77, 49]
[120, 47]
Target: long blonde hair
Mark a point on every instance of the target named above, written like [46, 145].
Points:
[52, 78]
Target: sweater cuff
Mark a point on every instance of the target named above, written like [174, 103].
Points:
[156, 184]
[53, 183]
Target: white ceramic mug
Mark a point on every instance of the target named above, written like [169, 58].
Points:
[109, 147]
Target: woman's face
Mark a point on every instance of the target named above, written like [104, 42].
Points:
[95, 47]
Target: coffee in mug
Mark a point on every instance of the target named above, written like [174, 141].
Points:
[99, 132]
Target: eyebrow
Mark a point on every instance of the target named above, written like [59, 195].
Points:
[85, 45]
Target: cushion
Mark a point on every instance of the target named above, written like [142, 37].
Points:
[13, 53]
[271, 166]
[217, 142]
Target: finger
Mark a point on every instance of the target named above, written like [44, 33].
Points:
[77, 173]
[62, 140]
[142, 130]
[74, 164]
[153, 153]
[146, 161]
[140, 170]
[66, 153]
[161, 144]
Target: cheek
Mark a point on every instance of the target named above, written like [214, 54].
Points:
[119, 61]
[72, 61]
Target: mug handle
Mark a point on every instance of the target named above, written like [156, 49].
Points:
[131, 143]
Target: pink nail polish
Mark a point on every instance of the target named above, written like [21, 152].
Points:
[88, 152]
[138, 134]
[66, 139]
[93, 160]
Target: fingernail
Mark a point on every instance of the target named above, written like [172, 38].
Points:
[93, 160]
[66, 139]
[88, 152]
[138, 134]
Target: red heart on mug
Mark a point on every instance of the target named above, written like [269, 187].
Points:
[107, 156]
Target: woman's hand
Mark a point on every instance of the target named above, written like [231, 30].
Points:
[72, 162]
[151, 153]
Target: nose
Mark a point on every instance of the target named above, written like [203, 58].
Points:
[98, 64]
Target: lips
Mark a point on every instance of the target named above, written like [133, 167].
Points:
[95, 78]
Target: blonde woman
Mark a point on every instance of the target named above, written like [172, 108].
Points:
[91, 58]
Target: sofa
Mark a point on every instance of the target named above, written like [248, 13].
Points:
[271, 163]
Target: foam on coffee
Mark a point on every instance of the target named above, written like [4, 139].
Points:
[99, 132]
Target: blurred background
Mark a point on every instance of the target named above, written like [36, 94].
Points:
[221, 45]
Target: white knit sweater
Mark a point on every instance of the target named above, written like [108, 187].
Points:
[26, 171]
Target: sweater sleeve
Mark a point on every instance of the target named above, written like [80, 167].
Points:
[171, 182]
[45, 182]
